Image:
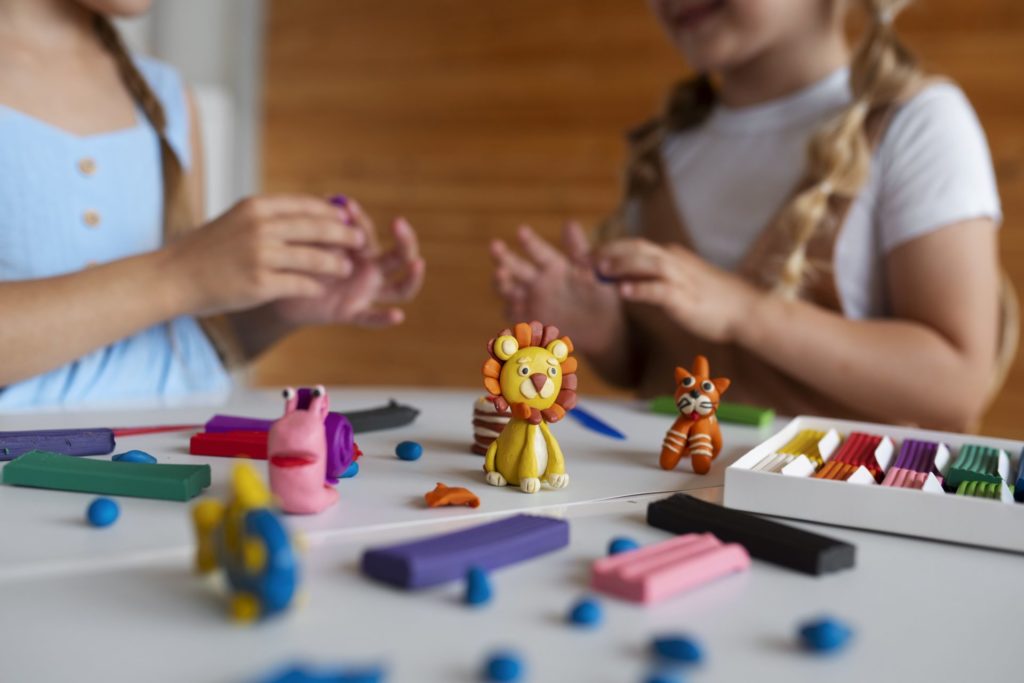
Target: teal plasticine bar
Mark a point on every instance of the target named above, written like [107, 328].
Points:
[41, 469]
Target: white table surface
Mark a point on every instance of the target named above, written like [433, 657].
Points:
[121, 604]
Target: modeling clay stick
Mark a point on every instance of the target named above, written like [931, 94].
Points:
[766, 540]
[67, 441]
[735, 413]
[153, 429]
[595, 424]
[448, 557]
[659, 571]
[230, 444]
[1018, 488]
[142, 480]
[386, 417]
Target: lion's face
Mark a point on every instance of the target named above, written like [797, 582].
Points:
[532, 375]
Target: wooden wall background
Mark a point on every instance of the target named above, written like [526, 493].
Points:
[472, 117]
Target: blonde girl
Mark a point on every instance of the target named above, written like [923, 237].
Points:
[821, 223]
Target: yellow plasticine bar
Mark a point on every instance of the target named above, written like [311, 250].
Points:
[805, 443]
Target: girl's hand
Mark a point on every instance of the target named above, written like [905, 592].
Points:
[263, 249]
[377, 281]
[559, 288]
[704, 299]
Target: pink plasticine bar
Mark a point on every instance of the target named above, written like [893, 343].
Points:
[656, 572]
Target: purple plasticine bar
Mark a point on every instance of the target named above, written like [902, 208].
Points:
[233, 423]
[916, 460]
[437, 559]
[64, 441]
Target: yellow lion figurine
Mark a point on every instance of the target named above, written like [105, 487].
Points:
[530, 372]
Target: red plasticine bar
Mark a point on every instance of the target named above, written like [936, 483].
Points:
[231, 444]
[859, 450]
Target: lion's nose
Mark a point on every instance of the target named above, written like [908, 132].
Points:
[538, 380]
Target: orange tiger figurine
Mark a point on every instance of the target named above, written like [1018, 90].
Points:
[695, 433]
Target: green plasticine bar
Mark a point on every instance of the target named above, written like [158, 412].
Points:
[974, 463]
[42, 469]
[735, 413]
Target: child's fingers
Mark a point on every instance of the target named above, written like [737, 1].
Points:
[395, 291]
[538, 249]
[633, 258]
[379, 317]
[290, 285]
[406, 250]
[364, 221]
[520, 268]
[653, 292]
[310, 260]
[290, 205]
[575, 242]
[316, 231]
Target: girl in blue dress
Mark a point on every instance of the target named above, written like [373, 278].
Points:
[111, 289]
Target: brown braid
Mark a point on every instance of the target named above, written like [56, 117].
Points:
[178, 216]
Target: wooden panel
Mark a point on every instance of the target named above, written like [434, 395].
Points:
[472, 117]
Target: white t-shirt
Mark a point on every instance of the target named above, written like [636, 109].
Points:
[731, 176]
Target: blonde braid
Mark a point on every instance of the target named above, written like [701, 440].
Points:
[839, 154]
[177, 208]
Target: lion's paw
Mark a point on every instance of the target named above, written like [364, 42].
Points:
[557, 481]
[531, 485]
[495, 479]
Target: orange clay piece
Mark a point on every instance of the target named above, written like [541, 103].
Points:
[451, 495]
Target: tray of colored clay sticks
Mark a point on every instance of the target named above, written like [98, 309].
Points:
[936, 485]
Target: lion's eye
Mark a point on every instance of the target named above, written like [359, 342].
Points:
[688, 381]
[553, 372]
[524, 371]
[707, 386]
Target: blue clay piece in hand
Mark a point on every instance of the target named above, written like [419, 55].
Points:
[664, 677]
[352, 471]
[102, 512]
[134, 456]
[478, 587]
[409, 450]
[678, 649]
[503, 667]
[586, 613]
[622, 544]
[824, 635]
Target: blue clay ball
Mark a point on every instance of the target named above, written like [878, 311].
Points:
[664, 677]
[622, 544]
[504, 667]
[351, 471]
[478, 587]
[409, 450]
[824, 635]
[677, 649]
[134, 456]
[587, 613]
[102, 512]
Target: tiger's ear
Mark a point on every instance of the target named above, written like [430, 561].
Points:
[681, 374]
[505, 347]
[559, 349]
[721, 384]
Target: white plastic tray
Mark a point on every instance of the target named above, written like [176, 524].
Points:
[939, 516]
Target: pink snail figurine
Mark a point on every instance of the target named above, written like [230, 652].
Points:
[297, 455]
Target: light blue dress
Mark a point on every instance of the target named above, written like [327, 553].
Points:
[68, 202]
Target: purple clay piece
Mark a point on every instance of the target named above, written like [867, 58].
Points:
[437, 559]
[233, 423]
[64, 441]
[339, 200]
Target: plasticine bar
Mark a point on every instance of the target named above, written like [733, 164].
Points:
[230, 444]
[859, 450]
[985, 489]
[916, 461]
[977, 463]
[659, 571]
[766, 540]
[98, 441]
[142, 480]
[1018, 488]
[735, 413]
[392, 415]
[447, 557]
